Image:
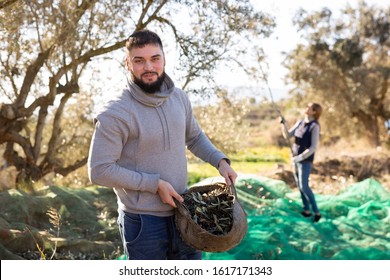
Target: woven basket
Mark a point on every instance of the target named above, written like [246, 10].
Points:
[201, 239]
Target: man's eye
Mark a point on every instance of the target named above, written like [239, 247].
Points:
[138, 61]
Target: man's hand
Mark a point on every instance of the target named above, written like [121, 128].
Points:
[227, 172]
[167, 193]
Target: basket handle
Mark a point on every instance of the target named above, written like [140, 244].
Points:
[234, 192]
[233, 188]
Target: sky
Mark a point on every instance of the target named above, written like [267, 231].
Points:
[285, 36]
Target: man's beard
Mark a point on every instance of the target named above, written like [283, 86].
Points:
[149, 87]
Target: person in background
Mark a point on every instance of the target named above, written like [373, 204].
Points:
[139, 149]
[306, 133]
[387, 125]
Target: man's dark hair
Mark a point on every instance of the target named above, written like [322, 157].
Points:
[141, 38]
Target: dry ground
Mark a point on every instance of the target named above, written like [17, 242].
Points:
[331, 175]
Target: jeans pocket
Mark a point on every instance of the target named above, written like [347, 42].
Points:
[132, 227]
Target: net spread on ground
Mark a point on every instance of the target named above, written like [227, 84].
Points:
[355, 223]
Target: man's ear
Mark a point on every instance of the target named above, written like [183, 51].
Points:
[127, 63]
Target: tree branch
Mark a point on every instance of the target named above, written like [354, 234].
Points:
[14, 137]
[31, 73]
[70, 168]
[142, 24]
[39, 130]
[56, 132]
[6, 3]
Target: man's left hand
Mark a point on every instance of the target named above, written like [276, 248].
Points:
[227, 172]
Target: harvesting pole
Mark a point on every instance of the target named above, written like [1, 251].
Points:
[275, 107]
[284, 126]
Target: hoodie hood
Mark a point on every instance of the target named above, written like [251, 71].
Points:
[151, 99]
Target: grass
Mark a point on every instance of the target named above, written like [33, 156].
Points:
[250, 161]
[271, 154]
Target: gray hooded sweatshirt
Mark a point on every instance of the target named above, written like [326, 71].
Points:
[140, 138]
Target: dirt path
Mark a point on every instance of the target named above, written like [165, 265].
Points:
[330, 176]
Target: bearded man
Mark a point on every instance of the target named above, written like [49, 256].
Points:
[139, 149]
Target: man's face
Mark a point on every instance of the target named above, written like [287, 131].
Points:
[146, 66]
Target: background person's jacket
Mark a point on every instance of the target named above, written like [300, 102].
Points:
[306, 134]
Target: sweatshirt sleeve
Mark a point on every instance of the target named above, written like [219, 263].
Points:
[202, 147]
[291, 131]
[106, 148]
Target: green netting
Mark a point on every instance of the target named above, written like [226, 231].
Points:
[355, 223]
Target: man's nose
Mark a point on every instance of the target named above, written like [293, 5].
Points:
[148, 65]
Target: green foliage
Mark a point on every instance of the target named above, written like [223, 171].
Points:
[262, 154]
[249, 161]
[199, 171]
[347, 54]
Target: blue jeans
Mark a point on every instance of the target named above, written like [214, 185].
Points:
[303, 173]
[147, 237]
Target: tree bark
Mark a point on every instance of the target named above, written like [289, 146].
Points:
[370, 123]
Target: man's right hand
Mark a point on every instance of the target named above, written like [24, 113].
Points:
[167, 193]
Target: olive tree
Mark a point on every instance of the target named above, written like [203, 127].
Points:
[343, 63]
[50, 48]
